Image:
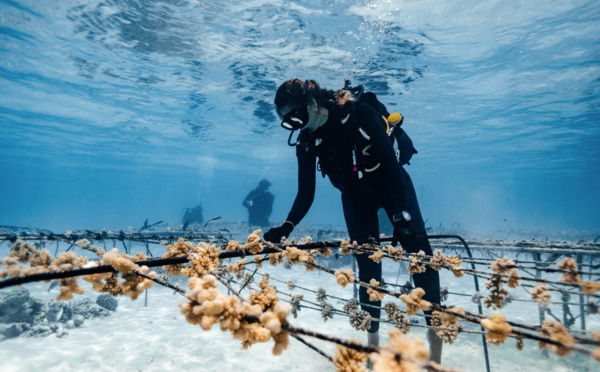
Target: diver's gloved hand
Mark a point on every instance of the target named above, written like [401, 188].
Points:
[277, 233]
[402, 229]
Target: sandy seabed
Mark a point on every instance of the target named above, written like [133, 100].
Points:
[156, 337]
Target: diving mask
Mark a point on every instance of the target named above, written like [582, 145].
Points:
[295, 119]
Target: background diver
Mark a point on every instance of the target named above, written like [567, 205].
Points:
[192, 216]
[333, 126]
[259, 203]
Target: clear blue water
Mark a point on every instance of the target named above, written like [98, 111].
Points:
[112, 112]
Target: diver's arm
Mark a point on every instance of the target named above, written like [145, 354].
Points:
[307, 166]
[304, 197]
[383, 152]
[246, 203]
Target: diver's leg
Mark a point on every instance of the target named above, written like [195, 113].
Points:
[360, 213]
[435, 346]
[429, 280]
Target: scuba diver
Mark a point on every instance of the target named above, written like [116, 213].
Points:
[345, 138]
[259, 203]
[192, 215]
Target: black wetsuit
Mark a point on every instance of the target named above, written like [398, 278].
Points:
[260, 206]
[389, 186]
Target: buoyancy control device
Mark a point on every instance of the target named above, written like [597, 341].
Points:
[401, 142]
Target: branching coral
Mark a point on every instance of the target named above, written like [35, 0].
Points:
[321, 295]
[513, 279]
[360, 320]
[520, 345]
[83, 243]
[377, 256]
[104, 282]
[267, 297]
[592, 308]
[295, 301]
[237, 268]
[41, 258]
[43, 262]
[570, 275]
[559, 333]
[541, 295]
[387, 361]
[273, 321]
[438, 260]
[326, 311]
[178, 249]
[206, 302]
[21, 252]
[282, 341]
[253, 244]
[309, 263]
[498, 295]
[375, 295]
[589, 287]
[352, 305]
[68, 286]
[344, 277]
[394, 315]
[326, 252]
[498, 328]
[454, 263]
[86, 245]
[502, 265]
[203, 259]
[246, 321]
[295, 255]
[345, 247]
[349, 360]
[67, 261]
[414, 301]
[305, 240]
[447, 320]
[135, 285]
[417, 265]
[233, 246]
[395, 253]
[119, 261]
[258, 261]
[248, 278]
[275, 258]
[326, 308]
[139, 257]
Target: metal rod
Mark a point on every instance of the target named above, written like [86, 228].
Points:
[479, 308]
[581, 298]
[542, 313]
